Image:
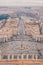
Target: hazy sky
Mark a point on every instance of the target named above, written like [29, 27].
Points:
[21, 2]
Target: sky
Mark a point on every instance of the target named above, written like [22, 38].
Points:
[21, 2]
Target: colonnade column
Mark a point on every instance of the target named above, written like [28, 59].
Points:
[33, 57]
[8, 56]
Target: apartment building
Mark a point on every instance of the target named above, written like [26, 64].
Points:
[33, 29]
[10, 29]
